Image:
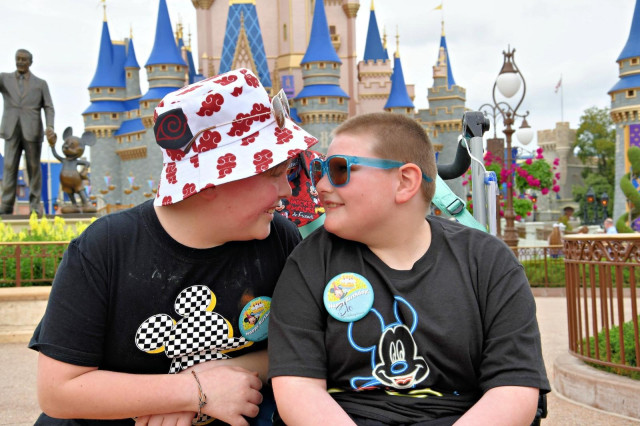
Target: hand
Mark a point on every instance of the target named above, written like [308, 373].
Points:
[173, 419]
[51, 136]
[232, 392]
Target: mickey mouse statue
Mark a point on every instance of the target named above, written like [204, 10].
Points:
[71, 179]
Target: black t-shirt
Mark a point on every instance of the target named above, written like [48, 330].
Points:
[438, 336]
[124, 281]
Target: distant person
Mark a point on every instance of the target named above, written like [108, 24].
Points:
[565, 219]
[385, 317]
[609, 226]
[25, 95]
[166, 286]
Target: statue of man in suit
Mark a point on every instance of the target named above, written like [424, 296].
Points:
[24, 96]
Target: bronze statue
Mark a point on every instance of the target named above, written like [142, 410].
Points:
[24, 96]
[71, 179]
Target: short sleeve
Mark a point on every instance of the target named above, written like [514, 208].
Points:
[296, 327]
[73, 327]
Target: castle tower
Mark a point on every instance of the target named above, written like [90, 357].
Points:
[625, 107]
[322, 104]
[374, 71]
[243, 46]
[399, 101]
[446, 107]
[132, 72]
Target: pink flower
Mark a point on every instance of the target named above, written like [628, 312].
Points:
[536, 182]
[557, 175]
[556, 189]
[518, 217]
[529, 161]
[528, 213]
[556, 161]
[545, 191]
[539, 150]
[509, 184]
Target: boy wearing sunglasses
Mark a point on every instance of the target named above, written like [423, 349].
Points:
[180, 284]
[385, 317]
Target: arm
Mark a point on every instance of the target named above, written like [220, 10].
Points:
[316, 407]
[257, 362]
[71, 391]
[504, 405]
[47, 105]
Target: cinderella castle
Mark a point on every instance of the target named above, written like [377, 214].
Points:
[306, 47]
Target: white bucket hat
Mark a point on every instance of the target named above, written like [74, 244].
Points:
[220, 130]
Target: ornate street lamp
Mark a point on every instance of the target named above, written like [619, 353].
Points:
[604, 200]
[509, 82]
[590, 198]
[534, 200]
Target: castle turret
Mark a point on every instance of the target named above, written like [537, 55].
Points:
[399, 101]
[243, 46]
[374, 71]
[131, 126]
[321, 105]
[625, 106]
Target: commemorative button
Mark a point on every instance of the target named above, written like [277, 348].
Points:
[348, 297]
[254, 319]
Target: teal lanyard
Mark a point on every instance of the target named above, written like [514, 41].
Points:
[446, 200]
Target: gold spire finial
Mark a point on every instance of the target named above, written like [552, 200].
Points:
[372, 8]
[384, 38]
[397, 54]
[104, 9]
[442, 28]
[131, 31]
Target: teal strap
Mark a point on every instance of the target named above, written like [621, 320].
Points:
[449, 202]
[311, 226]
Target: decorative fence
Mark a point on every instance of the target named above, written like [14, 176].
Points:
[30, 263]
[603, 272]
[543, 265]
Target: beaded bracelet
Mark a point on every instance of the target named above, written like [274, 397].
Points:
[202, 397]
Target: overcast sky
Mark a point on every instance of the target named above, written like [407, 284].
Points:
[578, 39]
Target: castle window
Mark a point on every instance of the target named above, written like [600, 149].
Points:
[178, 68]
[128, 138]
[634, 61]
[340, 101]
[613, 97]
[163, 67]
[114, 116]
[96, 116]
[332, 29]
[304, 102]
[334, 66]
[145, 104]
[322, 65]
[307, 66]
[128, 74]
[151, 69]
[284, 32]
[323, 100]
[138, 137]
[631, 93]
[98, 90]
[111, 90]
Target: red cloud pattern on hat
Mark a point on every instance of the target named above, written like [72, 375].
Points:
[189, 89]
[209, 140]
[250, 79]
[283, 135]
[262, 160]
[171, 172]
[175, 154]
[188, 190]
[195, 161]
[226, 164]
[226, 80]
[250, 139]
[243, 122]
[212, 103]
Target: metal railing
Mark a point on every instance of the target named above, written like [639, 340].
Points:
[603, 272]
[33, 262]
[544, 265]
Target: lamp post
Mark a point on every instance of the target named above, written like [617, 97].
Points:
[590, 198]
[534, 200]
[508, 82]
[604, 200]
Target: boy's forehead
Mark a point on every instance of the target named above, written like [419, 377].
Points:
[346, 143]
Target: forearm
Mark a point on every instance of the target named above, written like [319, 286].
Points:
[255, 361]
[100, 394]
[504, 405]
[315, 407]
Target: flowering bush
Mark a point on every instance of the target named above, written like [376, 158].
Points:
[535, 174]
[36, 261]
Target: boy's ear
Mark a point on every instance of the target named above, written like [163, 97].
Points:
[410, 182]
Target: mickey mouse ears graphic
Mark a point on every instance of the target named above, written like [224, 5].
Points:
[220, 130]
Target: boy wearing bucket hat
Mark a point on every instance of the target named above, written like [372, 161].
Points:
[383, 317]
[165, 287]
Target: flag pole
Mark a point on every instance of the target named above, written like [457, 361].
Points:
[561, 100]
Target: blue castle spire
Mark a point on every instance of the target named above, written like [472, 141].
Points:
[320, 48]
[107, 73]
[131, 61]
[165, 50]
[443, 47]
[398, 97]
[373, 49]
[632, 47]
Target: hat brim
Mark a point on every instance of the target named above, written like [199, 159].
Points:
[240, 158]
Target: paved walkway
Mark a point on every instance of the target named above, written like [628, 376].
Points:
[18, 401]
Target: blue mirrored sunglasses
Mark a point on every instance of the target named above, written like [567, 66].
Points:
[338, 168]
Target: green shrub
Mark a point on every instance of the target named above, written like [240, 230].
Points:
[629, 350]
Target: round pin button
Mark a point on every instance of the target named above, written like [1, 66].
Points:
[348, 297]
[254, 319]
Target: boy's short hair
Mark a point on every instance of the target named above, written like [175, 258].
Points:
[399, 138]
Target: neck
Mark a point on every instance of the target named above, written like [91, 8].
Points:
[178, 221]
[406, 246]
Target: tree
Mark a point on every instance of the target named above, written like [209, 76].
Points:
[595, 140]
